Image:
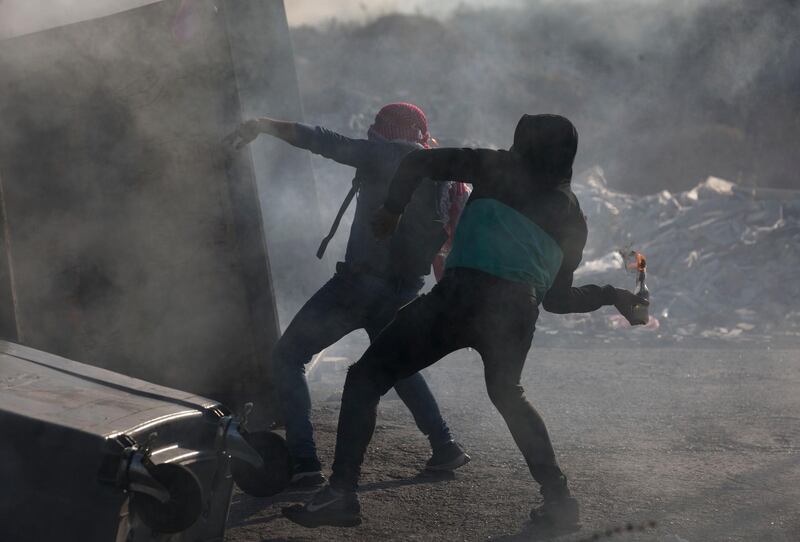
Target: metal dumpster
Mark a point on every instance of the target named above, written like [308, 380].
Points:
[90, 455]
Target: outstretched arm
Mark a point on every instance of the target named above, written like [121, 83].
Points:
[351, 152]
[564, 298]
[466, 165]
[251, 129]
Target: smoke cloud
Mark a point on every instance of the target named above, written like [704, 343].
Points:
[664, 94]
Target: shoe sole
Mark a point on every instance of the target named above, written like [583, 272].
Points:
[456, 463]
[308, 520]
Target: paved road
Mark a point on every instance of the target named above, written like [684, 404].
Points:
[706, 443]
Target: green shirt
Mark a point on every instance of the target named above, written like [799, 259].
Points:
[496, 239]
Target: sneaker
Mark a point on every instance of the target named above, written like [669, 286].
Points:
[306, 472]
[447, 457]
[327, 507]
[560, 513]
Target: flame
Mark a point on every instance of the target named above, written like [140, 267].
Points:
[633, 260]
[641, 261]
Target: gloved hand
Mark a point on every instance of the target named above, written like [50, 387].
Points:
[384, 223]
[624, 302]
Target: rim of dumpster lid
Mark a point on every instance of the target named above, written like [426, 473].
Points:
[201, 406]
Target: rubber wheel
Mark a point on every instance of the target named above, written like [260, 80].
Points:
[264, 483]
[183, 507]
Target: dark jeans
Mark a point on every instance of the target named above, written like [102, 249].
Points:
[466, 309]
[347, 302]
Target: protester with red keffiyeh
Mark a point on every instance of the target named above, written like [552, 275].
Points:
[375, 279]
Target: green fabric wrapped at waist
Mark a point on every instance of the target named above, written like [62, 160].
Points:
[496, 239]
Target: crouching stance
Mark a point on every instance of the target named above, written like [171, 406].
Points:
[519, 240]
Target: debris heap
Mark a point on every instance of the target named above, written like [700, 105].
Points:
[722, 262]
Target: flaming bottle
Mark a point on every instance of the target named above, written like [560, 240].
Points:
[640, 312]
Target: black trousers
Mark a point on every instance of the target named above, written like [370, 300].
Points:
[466, 309]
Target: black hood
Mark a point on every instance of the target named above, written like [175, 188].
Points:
[548, 143]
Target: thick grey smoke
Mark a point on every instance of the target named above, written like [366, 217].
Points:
[19, 17]
[135, 236]
[663, 94]
[24, 16]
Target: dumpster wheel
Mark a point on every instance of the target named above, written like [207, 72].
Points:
[183, 507]
[263, 482]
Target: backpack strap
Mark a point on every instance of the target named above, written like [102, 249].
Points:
[335, 226]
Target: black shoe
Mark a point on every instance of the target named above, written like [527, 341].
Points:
[447, 457]
[306, 472]
[559, 513]
[327, 507]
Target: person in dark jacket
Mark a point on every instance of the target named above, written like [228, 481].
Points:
[518, 243]
[375, 279]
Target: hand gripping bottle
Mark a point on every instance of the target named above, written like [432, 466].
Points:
[640, 312]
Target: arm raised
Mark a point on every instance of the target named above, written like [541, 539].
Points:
[351, 152]
[446, 164]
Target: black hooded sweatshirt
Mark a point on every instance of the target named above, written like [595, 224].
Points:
[522, 222]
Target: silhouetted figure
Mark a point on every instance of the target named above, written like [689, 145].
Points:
[375, 279]
[520, 238]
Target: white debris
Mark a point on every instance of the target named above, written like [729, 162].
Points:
[607, 262]
[721, 259]
[712, 184]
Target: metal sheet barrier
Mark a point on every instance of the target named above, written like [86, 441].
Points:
[131, 239]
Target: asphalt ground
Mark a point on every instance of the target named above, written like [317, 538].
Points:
[660, 444]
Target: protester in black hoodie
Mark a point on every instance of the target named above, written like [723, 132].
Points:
[519, 241]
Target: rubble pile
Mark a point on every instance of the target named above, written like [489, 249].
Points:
[722, 263]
